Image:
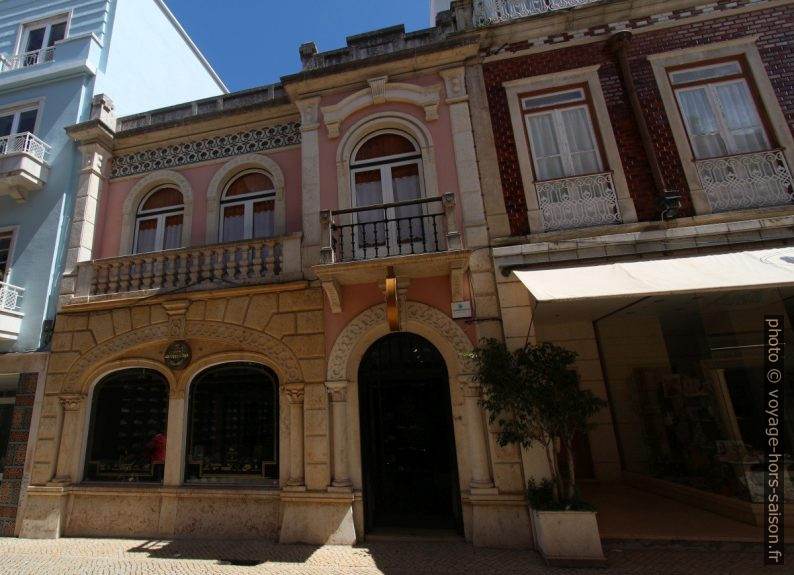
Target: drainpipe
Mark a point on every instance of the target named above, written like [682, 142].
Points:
[669, 200]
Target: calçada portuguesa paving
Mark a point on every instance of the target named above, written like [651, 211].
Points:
[76, 556]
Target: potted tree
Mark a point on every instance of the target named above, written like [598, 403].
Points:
[533, 395]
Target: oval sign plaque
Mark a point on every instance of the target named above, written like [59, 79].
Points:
[177, 355]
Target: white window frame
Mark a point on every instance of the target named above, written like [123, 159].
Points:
[777, 129]
[516, 91]
[17, 111]
[559, 130]
[12, 233]
[48, 23]
[385, 164]
[248, 201]
[160, 215]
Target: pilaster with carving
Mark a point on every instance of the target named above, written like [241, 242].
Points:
[71, 404]
[338, 395]
[475, 434]
[310, 175]
[295, 394]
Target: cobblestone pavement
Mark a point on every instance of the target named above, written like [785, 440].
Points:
[138, 557]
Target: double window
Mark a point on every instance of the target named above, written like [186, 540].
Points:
[5, 254]
[158, 225]
[561, 137]
[386, 169]
[719, 110]
[37, 39]
[248, 207]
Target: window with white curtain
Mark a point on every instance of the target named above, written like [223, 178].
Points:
[719, 111]
[561, 137]
[248, 208]
[386, 169]
[158, 225]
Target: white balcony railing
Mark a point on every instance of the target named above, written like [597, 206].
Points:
[487, 12]
[208, 267]
[23, 143]
[578, 202]
[745, 181]
[28, 59]
[10, 297]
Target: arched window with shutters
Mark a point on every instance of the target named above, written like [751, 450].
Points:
[158, 225]
[248, 208]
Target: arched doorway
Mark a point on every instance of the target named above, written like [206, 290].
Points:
[407, 441]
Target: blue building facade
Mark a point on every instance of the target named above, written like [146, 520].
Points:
[56, 57]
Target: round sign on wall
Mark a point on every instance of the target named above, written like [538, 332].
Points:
[177, 355]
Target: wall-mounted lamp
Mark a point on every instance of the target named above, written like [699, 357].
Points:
[670, 203]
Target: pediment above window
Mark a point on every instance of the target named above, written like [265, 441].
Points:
[380, 91]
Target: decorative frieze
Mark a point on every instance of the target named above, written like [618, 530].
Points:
[239, 143]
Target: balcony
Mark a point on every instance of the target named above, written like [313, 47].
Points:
[23, 168]
[490, 12]
[212, 267]
[578, 202]
[10, 311]
[415, 238]
[745, 181]
[27, 59]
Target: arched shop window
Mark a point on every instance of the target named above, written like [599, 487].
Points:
[126, 439]
[233, 426]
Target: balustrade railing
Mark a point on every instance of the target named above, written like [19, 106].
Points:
[487, 12]
[399, 228]
[28, 59]
[578, 202]
[10, 297]
[24, 142]
[743, 181]
[248, 262]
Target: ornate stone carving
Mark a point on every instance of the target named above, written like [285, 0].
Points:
[252, 340]
[375, 317]
[295, 392]
[247, 142]
[337, 390]
[71, 401]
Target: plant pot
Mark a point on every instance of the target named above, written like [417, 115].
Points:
[568, 538]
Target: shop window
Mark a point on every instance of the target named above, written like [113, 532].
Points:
[38, 40]
[129, 413]
[248, 208]
[385, 169]
[233, 426]
[158, 225]
[8, 386]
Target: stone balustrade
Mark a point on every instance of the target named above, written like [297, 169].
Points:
[259, 261]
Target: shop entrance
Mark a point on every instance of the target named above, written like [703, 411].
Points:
[407, 441]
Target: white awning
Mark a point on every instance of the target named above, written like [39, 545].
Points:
[738, 270]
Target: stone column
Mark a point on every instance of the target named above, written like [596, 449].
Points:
[475, 434]
[310, 177]
[296, 475]
[71, 404]
[338, 392]
[174, 439]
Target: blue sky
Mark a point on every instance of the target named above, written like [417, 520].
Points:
[255, 42]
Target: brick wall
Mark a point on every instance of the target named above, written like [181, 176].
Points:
[11, 484]
[774, 26]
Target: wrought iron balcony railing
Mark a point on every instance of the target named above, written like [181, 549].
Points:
[378, 231]
[11, 297]
[578, 202]
[488, 12]
[24, 143]
[744, 181]
[28, 59]
[248, 262]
